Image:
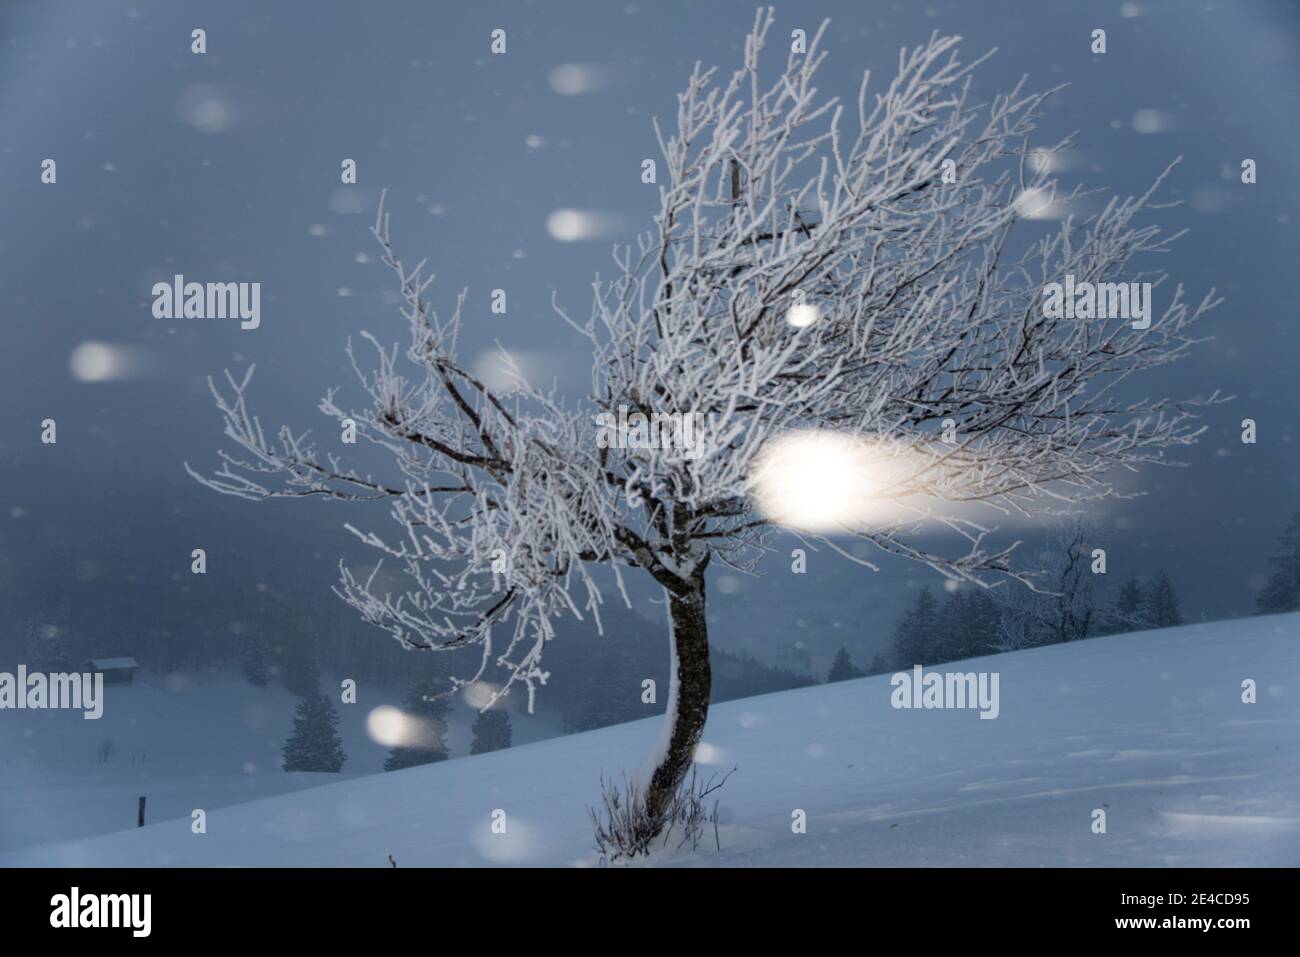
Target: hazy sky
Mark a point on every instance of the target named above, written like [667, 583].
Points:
[225, 166]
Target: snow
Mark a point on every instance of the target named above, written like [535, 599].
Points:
[185, 741]
[1149, 727]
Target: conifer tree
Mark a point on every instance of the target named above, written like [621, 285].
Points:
[982, 625]
[491, 731]
[314, 744]
[842, 667]
[1282, 592]
[1161, 609]
[612, 695]
[968, 626]
[302, 666]
[916, 639]
[953, 626]
[253, 660]
[430, 713]
[1130, 609]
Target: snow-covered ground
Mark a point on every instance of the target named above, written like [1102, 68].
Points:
[184, 741]
[1149, 727]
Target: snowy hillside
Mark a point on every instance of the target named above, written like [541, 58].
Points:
[184, 740]
[1149, 727]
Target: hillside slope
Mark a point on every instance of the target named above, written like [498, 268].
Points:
[183, 740]
[1149, 727]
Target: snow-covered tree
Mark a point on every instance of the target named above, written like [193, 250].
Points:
[1062, 607]
[1128, 611]
[426, 704]
[1022, 614]
[854, 271]
[1282, 591]
[1072, 606]
[842, 667]
[491, 731]
[49, 648]
[314, 743]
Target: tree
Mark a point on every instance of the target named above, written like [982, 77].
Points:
[252, 659]
[612, 693]
[983, 621]
[1022, 619]
[740, 675]
[1072, 607]
[842, 667]
[1282, 591]
[795, 657]
[951, 628]
[1161, 607]
[1059, 604]
[491, 731]
[1129, 612]
[314, 743]
[427, 709]
[916, 637]
[801, 277]
[49, 649]
[967, 626]
[301, 673]
[878, 666]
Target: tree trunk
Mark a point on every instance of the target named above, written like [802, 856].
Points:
[688, 697]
